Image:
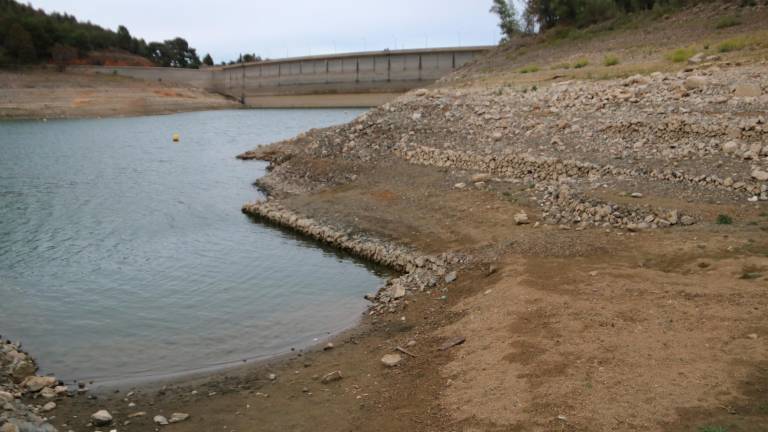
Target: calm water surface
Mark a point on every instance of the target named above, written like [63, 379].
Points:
[124, 255]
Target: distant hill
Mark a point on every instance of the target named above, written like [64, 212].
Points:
[31, 36]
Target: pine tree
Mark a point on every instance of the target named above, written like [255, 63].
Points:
[19, 44]
[208, 60]
[507, 18]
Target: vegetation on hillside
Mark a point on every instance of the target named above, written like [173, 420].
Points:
[542, 15]
[29, 36]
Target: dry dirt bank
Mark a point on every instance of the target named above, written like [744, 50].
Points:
[48, 94]
[585, 255]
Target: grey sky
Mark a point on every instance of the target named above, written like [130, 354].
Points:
[293, 27]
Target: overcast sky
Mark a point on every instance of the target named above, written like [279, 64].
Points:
[292, 27]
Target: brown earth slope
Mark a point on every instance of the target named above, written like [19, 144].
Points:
[49, 94]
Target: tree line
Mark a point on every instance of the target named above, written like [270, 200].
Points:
[540, 15]
[29, 36]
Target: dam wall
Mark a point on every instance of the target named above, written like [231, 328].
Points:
[350, 79]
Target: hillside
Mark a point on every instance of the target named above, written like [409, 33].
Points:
[38, 94]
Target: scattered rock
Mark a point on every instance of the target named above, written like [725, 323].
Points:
[50, 406]
[178, 417]
[452, 343]
[747, 90]
[760, 175]
[331, 377]
[391, 360]
[329, 346]
[450, 277]
[37, 383]
[482, 177]
[160, 420]
[695, 82]
[101, 418]
[521, 218]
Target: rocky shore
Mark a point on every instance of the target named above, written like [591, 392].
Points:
[27, 399]
[421, 272]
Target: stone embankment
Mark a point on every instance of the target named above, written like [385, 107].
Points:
[20, 384]
[699, 133]
[419, 272]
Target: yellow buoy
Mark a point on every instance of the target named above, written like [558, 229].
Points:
[176, 137]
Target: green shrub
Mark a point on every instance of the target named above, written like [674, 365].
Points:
[610, 60]
[529, 69]
[580, 63]
[681, 54]
[734, 44]
[727, 21]
[713, 429]
[724, 220]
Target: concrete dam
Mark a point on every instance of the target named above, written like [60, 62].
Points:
[344, 80]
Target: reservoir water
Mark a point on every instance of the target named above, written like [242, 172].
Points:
[124, 255]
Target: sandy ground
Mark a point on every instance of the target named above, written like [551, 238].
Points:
[565, 328]
[49, 94]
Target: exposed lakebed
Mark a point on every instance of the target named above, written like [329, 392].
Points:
[124, 255]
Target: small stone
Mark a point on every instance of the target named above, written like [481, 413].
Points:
[760, 175]
[752, 336]
[695, 82]
[329, 346]
[391, 360]
[37, 383]
[272, 377]
[521, 219]
[101, 418]
[398, 291]
[50, 406]
[178, 417]
[9, 427]
[687, 220]
[460, 185]
[5, 397]
[137, 414]
[450, 277]
[731, 147]
[482, 177]
[747, 90]
[160, 420]
[48, 393]
[636, 195]
[331, 377]
[696, 59]
[450, 343]
[593, 273]
[421, 92]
